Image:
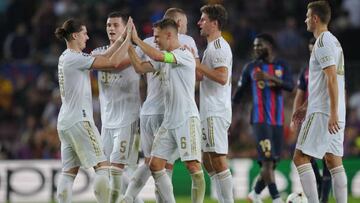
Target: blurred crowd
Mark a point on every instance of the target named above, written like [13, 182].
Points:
[29, 95]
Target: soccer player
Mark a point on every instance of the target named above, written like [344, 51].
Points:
[322, 132]
[180, 129]
[80, 139]
[215, 99]
[152, 111]
[324, 181]
[266, 76]
[120, 106]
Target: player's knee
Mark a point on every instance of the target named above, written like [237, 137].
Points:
[332, 161]
[193, 166]
[300, 158]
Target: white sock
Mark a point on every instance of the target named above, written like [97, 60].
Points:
[138, 181]
[164, 186]
[169, 172]
[224, 179]
[197, 187]
[115, 183]
[216, 185]
[308, 182]
[339, 184]
[101, 184]
[64, 187]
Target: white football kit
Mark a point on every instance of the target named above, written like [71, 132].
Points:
[181, 127]
[215, 99]
[80, 139]
[119, 97]
[152, 111]
[314, 138]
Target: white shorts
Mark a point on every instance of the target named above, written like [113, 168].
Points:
[315, 139]
[81, 146]
[184, 140]
[125, 149]
[215, 135]
[149, 125]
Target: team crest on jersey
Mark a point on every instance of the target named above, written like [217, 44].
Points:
[261, 84]
[278, 73]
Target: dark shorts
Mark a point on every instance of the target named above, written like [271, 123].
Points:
[268, 141]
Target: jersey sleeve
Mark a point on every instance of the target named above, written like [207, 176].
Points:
[219, 58]
[183, 57]
[288, 83]
[83, 61]
[324, 53]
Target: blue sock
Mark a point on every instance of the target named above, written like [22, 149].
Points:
[259, 186]
[273, 191]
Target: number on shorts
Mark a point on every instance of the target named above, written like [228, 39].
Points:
[265, 145]
[203, 134]
[183, 142]
[123, 146]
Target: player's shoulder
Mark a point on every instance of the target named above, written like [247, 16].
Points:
[149, 40]
[326, 39]
[220, 44]
[100, 50]
[185, 38]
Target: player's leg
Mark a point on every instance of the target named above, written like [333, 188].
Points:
[326, 184]
[123, 143]
[318, 177]
[189, 145]
[313, 141]
[108, 141]
[163, 147]
[148, 127]
[333, 159]
[208, 145]
[101, 182]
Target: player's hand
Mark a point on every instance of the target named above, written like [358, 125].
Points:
[333, 124]
[261, 75]
[299, 116]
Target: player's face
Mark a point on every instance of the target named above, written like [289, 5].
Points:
[183, 24]
[205, 25]
[310, 24]
[114, 28]
[81, 37]
[161, 38]
[261, 48]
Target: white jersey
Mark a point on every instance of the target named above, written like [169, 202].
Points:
[119, 95]
[178, 85]
[154, 103]
[215, 99]
[327, 51]
[75, 88]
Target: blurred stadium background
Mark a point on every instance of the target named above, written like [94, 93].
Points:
[29, 97]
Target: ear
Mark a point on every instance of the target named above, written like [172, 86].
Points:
[74, 35]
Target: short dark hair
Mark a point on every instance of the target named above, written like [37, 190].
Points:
[216, 12]
[166, 23]
[321, 9]
[173, 12]
[68, 27]
[118, 14]
[268, 38]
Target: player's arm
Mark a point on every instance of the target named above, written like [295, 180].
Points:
[104, 63]
[218, 74]
[243, 84]
[139, 66]
[332, 84]
[285, 83]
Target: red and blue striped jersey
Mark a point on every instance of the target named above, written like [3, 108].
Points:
[303, 81]
[267, 98]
